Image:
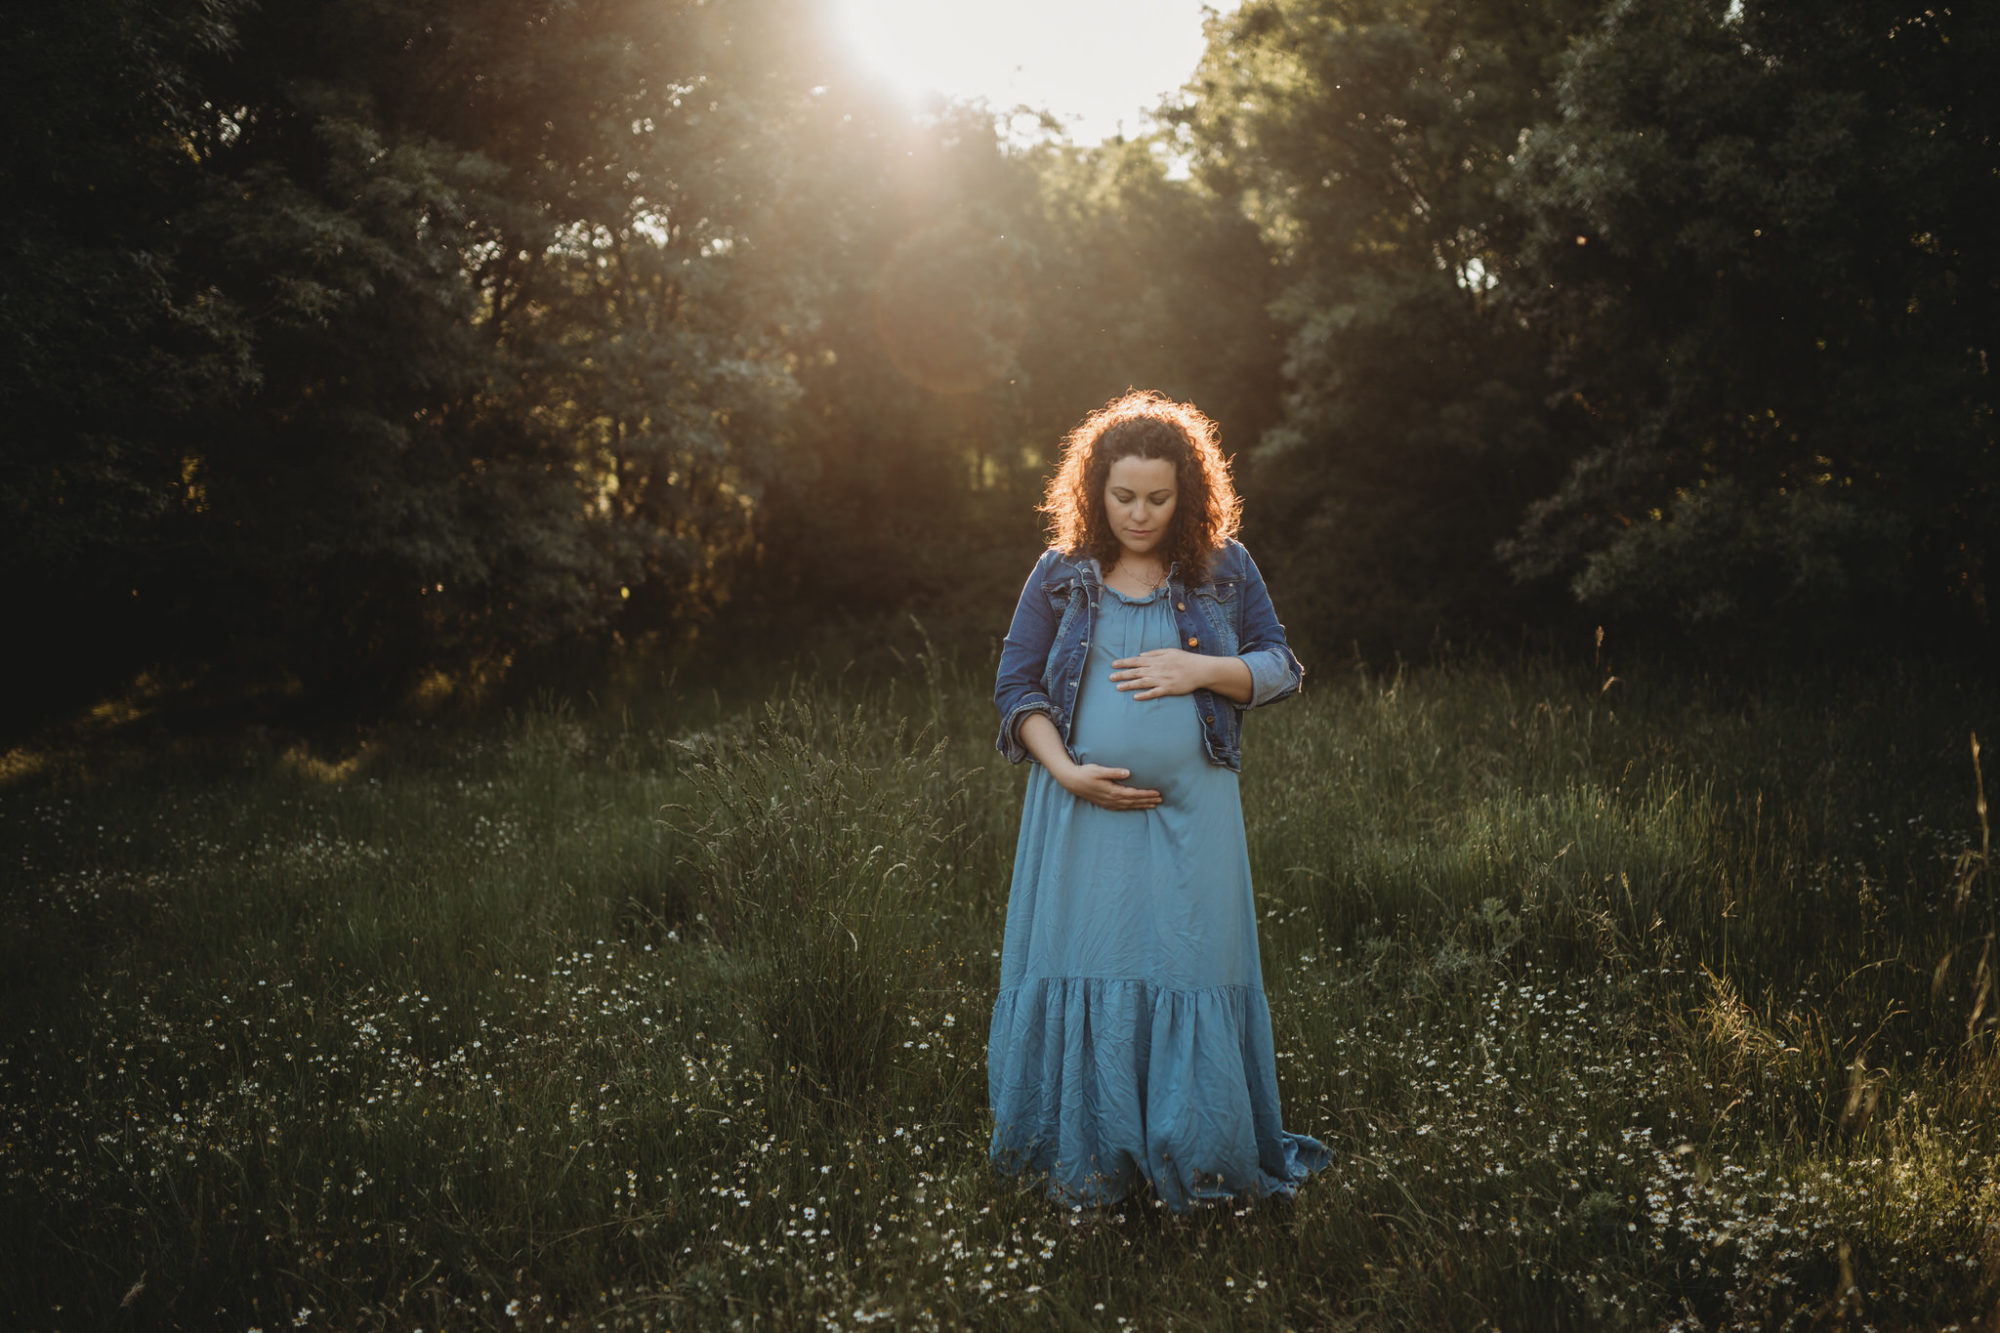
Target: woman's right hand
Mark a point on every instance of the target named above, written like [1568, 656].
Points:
[1103, 786]
[1089, 782]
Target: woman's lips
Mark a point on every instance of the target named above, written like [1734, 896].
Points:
[1139, 532]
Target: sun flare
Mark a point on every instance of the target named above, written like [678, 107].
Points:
[1099, 65]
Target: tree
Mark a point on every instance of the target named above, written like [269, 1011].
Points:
[102, 336]
[446, 294]
[1760, 237]
[1369, 138]
[972, 299]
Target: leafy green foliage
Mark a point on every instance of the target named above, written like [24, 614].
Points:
[350, 342]
[1370, 141]
[972, 302]
[104, 338]
[464, 266]
[1759, 240]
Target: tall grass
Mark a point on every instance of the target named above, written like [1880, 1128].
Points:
[1655, 1007]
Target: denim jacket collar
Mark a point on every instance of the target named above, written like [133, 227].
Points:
[1229, 613]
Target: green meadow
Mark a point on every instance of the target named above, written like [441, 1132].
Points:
[1656, 1004]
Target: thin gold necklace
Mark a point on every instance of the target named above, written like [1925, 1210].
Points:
[1152, 587]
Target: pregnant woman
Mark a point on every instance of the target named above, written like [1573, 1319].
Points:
[1131, 1041]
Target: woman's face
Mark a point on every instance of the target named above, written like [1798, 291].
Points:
[1139, 498]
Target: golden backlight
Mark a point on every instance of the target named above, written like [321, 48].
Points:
[1097, 64]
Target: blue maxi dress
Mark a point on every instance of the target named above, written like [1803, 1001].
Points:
[1131, 1040]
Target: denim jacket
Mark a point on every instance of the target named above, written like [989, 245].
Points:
[1041, 663]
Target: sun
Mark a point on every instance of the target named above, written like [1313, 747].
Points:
[1099, 65]
[933, 46]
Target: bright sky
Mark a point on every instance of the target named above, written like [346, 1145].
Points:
[1094, 63]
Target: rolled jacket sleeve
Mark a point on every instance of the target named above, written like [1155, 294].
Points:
[1274, 674]
[1024, 657]
[1275, 671]
[1009, 743]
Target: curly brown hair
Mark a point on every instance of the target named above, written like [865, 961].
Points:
[1143, 424]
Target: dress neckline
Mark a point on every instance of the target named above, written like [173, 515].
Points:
[1098, 569]
[1130, 600]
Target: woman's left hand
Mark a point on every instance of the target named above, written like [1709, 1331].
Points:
[1162, 671]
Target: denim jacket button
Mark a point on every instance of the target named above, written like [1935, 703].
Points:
[1180, 606]
[1193, 642]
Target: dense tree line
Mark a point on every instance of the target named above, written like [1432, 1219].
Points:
[345, 340]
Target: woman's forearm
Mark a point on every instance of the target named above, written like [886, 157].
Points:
[1045, 743]
[1229, 677]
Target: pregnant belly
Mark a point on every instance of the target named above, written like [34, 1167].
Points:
[1158, 739]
